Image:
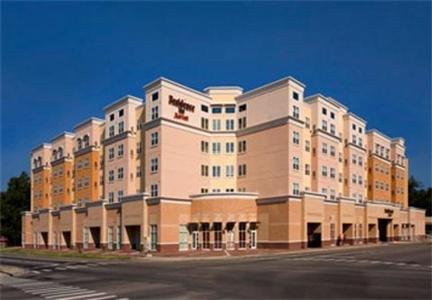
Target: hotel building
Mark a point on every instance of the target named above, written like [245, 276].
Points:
[185, 170]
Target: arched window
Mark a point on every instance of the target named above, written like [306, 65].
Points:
[86, 140]
[79, 143]
[35, 163]
[60, 152]
[54, 154]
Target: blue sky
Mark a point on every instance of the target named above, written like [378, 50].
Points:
[62, 62]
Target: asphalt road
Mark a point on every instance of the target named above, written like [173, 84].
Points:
[388, 271]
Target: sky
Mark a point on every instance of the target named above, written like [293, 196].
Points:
[62, 62]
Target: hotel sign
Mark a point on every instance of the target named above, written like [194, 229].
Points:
[182, 108]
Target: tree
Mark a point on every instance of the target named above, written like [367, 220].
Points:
[418, 196]
[15, 200]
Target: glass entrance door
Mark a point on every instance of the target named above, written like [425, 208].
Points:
[195, 240]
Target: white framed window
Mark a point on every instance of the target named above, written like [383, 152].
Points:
[296, 163]
[111, 197]
[154, 165]
[111, 131]
[332, 173]
[229, 124]
[296, 112]
[120, 150]
[360, 161]
[154, 190]
[324, 125]
[242, 170]
[229, 171]
[229, 147]
[242, 146]
[296, 188]
[121, 127]
[216, 171]
[216, 125]
[354, 139]
[307, 169]
[154, 138]
[120, 173]
[204, 170]
[119, 195]
[216, 148]
[324, 148]
[360, 179]
[354, 178]
[332, 150]
[354, 159]
[324, 171]
[138, 172]
[204, 147]
[332, 129]
[111, 175]
[296, 137]
[307, 146]
[155, 112]
[332, 194]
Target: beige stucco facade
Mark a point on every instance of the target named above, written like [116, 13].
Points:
[222, 169]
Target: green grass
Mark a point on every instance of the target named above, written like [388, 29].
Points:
[62, 254]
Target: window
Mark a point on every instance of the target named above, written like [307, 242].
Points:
[120, 150]
[242, 107]
[204, 108]
[324, 191]
[111, 131]
[307, 122]
[324, 171]
[332, 115]
[332, 173]
[296, 189]
[119, 195]
[324, 148]
[155, 96]
[296, 138]
[138, 171]
[111, 117]
[120, 173]
[354, 159]
[324, 125]
[229, 147]
[242, 146]
[332, 129]
[332, 151]
[154, 138]
[111, 153]
[121, 112]
[307, 169]
[229, 171]
[296, 163]
[360, 141]
[216, 148]
[154, 190]
[216, 171]
[354, 126]
[204, 123]
[354, 139]
[242, 123]
[360, 130]
[110, 237]
[360, 180]
[138, 148]
[111, 175]
[216, 125]
[354, 178]
[229, 124]
[204, 191]
[307, 146]
[296, 112]
[324, 111]
[216, 109]
[155, 112]
[154, 165]
[242, 170]
[204, 170]
[204, 146]
[332, 194]
[86, 140]
[230, 109]
[121, 127]
[295, 95]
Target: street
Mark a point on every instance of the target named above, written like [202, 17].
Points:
[388, 271]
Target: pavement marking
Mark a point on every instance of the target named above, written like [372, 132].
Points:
[67, 294]
[35, 272]
[104, 297]
[61, 269]
[54, 291]
[46, 270]
[85, 296]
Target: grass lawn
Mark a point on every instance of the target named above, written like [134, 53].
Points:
[62, 254]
